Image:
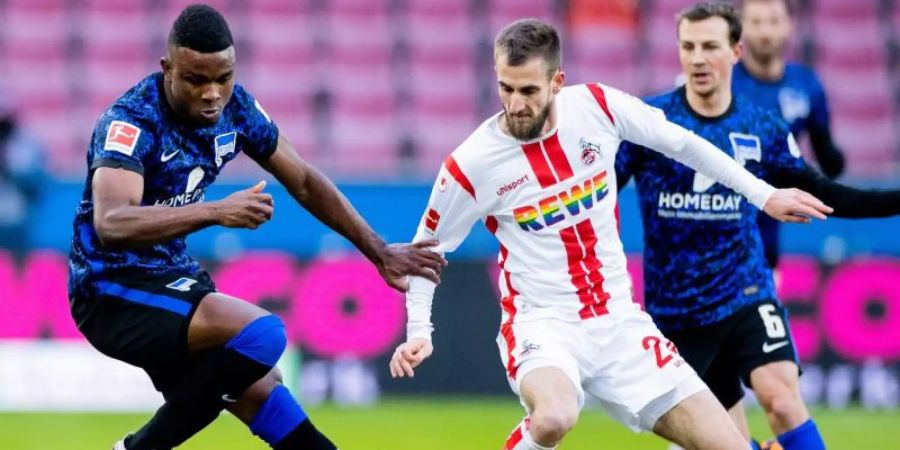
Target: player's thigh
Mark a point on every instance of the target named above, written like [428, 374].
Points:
[638, 374]
[699, 422]
[536, 347]
[142, 320]
[218, 318]
[760, 336]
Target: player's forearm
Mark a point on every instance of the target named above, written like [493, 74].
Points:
[143, 226]
[705, 158]
[847, 201]
[418, 308]
[322, 198]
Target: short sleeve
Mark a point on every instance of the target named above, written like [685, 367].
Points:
[258, 130]
[819, 114]
[120, 141]
[627, 162]
[783, 155]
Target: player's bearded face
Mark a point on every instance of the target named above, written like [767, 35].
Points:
[527, 93]
[707, 56]
[199, 85]
[767, 26]
[524, 124]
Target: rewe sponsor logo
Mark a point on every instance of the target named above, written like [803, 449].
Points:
[579, 197]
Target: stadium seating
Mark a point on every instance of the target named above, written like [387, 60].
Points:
[367, 86]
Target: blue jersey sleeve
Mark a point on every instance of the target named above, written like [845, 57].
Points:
[120, 140]
[782, 155]
[258, 130]
[626, 162]
[819, 114]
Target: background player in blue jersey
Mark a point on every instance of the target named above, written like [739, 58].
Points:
[707, 284]
[134, 292]
[791, 89]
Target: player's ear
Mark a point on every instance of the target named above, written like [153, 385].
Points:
[738, 50]
[166, 65]
[557, 81]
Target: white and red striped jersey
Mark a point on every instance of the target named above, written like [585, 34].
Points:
[551, 203]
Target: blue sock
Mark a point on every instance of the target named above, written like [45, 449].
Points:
[805, 437]
[754, 445]
[279, 415]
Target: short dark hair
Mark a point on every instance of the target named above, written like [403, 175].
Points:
[788, 4]
[705, 10]
[201, 28]
[526, 38]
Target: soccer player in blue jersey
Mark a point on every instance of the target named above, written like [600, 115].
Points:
[792, 90]
[707, 283]
[134, 292]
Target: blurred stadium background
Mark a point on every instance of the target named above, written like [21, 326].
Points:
[377, 93]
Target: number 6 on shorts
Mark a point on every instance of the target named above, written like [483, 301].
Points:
[772, 320]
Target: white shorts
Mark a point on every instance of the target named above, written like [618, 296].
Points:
[621, 358]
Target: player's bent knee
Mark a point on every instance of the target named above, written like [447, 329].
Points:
[263, 340]
[549, 427]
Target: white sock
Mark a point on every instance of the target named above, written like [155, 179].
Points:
[520, 439]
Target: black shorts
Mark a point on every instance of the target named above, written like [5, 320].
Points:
[725, 353]
[143, 320]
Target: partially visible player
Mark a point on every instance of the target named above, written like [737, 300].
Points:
[706, 281]
[791, 89]
[541, 176]
[136, 294]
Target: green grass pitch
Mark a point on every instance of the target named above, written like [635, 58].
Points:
[414, 424]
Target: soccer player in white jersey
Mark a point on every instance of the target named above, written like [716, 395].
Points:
[541, 176]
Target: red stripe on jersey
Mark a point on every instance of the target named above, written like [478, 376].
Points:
[618, 222]
[491, 223]
[539, 164]
[458, 175]
[558, 158]
[592, 264]
[600, 96]
[575, 255]
[514, 438]
[509, 307]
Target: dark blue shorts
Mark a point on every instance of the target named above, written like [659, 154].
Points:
[143, 320]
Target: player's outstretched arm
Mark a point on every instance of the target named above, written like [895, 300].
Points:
[847, 201]
[408, 356]
[644, 125]
[121, 222]
[315, 192]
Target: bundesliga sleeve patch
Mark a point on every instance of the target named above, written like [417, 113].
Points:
[122, 137]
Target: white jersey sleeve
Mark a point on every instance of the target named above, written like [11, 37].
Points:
[448, 218]
[647, 126]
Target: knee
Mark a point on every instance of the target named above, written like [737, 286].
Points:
[263, 340]
[548, 427]
[781, 401]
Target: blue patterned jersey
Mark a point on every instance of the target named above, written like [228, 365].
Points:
[703, 257]
[178, 162]
[800, 100]
[798, 96]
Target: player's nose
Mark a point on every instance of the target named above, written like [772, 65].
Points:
[211, 94]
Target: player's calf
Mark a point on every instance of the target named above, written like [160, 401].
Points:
[277, 418]
[776, 387]
[217, 380]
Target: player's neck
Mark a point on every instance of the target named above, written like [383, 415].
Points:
[713, 105]
[768, 69]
